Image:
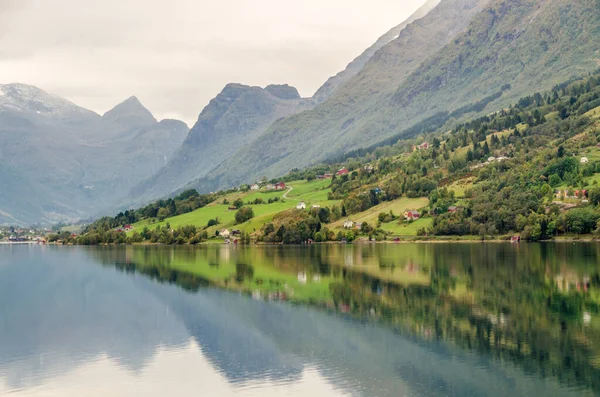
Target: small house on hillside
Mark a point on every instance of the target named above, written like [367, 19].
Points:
[342, 171]
[225, 233]
[423, 146]
[280, 186]
[301, 206]
[358, 225]
[412, 215]
[316, 206]
[128, 227]
[348, 224]
[328, 176]
[452, 209]
[254, 187]
[584, 160]
[270, 187]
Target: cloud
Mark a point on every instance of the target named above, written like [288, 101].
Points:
[176, 56]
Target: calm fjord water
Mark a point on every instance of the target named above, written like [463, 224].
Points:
[364, 320]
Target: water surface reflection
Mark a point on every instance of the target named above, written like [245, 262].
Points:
[416, 320]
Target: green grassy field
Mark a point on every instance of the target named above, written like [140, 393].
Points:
[460, 187]
[304, 189]
[397, 207]
[407, 229]
[594, 113]
[314, 192]
[593, 154]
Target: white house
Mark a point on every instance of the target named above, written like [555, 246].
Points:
[302, 277]
[301, 206]
[584, 160]
[316, 206]
[348, 224]
[225, 233]
[270, 187]
[254, 187]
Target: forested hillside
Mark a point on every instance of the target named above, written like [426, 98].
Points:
[531, 170]
[465, 58]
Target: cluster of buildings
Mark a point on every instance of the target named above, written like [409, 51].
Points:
[270, 186]
[340, 172]
[124, 229]
[571, 194]
[12, 235]
[411, 215]
[490, 160]
[348, 224]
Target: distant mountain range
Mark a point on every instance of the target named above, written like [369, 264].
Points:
[451, 60]
[59, 161]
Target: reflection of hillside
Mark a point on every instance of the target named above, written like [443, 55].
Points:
[507, 316]
[250, 340]
[494, 302]
[511, 328]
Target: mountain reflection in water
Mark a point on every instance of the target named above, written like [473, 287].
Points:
[376, 320]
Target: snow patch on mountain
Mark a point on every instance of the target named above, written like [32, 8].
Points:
[30, 99]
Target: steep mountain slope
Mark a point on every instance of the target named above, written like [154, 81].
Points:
[359, 62]
[241, 114]
[234, 118]
[62, 161]
[462, 56]
[299, 140]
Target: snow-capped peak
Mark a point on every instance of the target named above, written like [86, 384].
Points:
[27, 98]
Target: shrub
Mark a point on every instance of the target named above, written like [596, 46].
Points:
[244, 214]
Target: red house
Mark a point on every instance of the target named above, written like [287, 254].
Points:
[343, 171]
[280, 186]
[412, 215]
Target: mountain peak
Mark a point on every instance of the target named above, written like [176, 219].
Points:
[28, 98]
[130, 114]
[283, 91]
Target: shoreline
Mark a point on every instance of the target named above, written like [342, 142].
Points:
[441, 240]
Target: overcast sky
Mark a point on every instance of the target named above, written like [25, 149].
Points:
[176, 55]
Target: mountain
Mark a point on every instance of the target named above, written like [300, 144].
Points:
[240, 114]
[465, 57]
[234, 118]
[24, 98]
[130, 114]
[60, 161]
[359, 62]
[301, 139]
